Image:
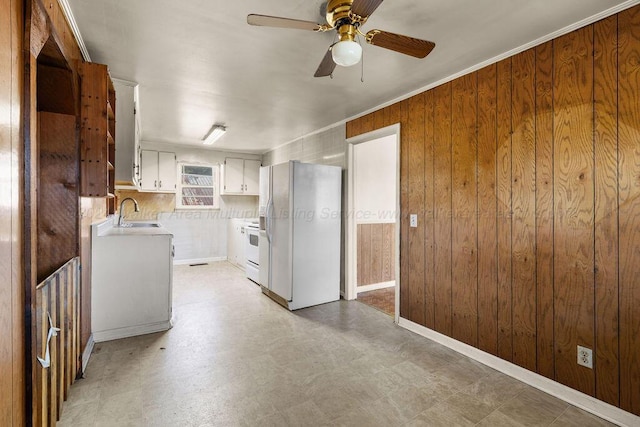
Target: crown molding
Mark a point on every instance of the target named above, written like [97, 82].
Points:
[71, 20]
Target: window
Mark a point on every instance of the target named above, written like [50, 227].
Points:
[197, 187]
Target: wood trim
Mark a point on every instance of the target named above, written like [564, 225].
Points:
[39, 28]
[29, 273]
[12, 346]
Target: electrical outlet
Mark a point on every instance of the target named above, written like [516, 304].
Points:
[585, 357]
[413, 220]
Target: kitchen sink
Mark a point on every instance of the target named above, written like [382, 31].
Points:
[140, 224]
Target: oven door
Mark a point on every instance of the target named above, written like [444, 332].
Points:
[252, 251]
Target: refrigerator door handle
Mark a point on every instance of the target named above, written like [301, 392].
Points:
[268, 219]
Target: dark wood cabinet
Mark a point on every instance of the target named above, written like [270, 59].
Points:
[97, 133]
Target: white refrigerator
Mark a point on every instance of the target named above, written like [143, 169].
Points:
[300, 220]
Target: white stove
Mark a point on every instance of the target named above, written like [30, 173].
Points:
[252, 267]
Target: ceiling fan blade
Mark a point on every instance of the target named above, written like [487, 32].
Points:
[364, 8]
[399, 43]
[277, 22]
[326, 66]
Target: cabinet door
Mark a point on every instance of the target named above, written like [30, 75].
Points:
[167, 172]
[252, 177]
[241, 258]
[136, 140]
[125, 131]
[148, 170]
[233, 182]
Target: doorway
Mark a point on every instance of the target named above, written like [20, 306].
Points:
[373, 220]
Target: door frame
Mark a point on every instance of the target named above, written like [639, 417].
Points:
[351, 247]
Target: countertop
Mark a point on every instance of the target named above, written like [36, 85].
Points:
[107, 228]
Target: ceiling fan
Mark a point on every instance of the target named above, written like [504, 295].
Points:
[346, 17]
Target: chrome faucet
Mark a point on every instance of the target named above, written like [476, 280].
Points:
[121, 217]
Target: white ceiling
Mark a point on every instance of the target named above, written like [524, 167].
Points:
[198, 62]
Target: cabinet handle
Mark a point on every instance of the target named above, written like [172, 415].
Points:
[155, 184]
[160, 184]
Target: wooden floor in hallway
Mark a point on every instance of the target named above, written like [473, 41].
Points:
[380, 299]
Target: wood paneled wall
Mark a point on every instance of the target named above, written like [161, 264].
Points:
[526, 179]
[12, 348]
[58, 297]
[376, 253]
[50, 45]
[58, 196]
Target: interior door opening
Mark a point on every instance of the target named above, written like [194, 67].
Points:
[373, 220]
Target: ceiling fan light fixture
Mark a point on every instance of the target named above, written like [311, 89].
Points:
[214, 134]
[346, 53]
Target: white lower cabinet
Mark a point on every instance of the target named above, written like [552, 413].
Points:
[158, 171]
[131, 280]
[236, 253]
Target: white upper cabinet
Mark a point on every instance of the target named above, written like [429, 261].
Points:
[158, 171]
[240, 177]
[125, 131]
[252, 176]
[167, 171]
[233, 176]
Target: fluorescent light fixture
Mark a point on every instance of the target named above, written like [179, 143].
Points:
[214, 134]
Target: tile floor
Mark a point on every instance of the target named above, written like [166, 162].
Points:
[236, 358]
[381, 299]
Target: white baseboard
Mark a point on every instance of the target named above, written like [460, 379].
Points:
[569, 395]
[375, 286]
[240, 267]
[132, 331]
[198, 260]
[86, 354]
